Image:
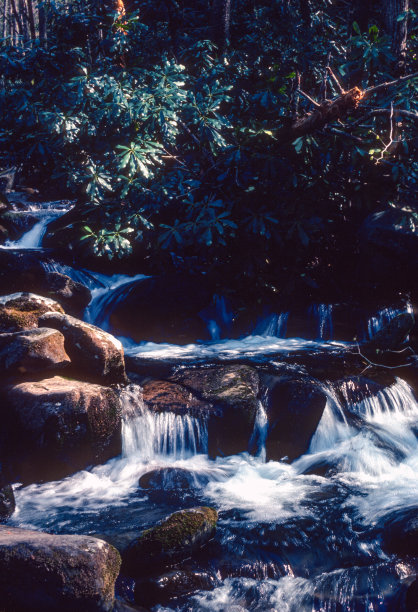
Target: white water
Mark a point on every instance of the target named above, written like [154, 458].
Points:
[250, 346]
[47, 212]
[322, 314]
[273, 326]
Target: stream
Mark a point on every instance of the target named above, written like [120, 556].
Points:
[289, 538]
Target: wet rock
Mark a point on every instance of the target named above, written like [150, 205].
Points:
[175, 538]
[411, 598]
[400, 534]
[388, 245]
[59, 426]
[21, 311]
[174, 584]
[4, 234]
[233, 392]
[18, 223]
[294, 409]
[7, 502]
[35, 350]
[172, 485]
[393, 335]
[23, 271]
[95, 354]
[163, 309]
[39, 571]
[164, 396]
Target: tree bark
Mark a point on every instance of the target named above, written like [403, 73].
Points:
[221, 22]
[31, 19]
[397, 30]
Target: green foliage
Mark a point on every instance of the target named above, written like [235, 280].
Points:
[170, 146]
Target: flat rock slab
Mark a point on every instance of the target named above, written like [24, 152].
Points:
[39, 571]
[165, 396]
[97, 355]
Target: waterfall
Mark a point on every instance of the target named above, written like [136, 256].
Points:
[257, 443]
[383, 317]
[322, 314]
[147, 435]
[273, 326]
[47, 212]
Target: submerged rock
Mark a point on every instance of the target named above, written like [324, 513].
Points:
[21, 311]
[171, 585]
[172, 485]
[59, 426]
[39, 571]
[175, 538]
[96, 355]
[233, 392]
[35, 350]
[7, 502]
[400, 535]
[294, 409]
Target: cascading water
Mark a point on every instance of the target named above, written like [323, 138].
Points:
[300, 537]
[383, 317]
[322, 314]
[273, 326]
[46, 212]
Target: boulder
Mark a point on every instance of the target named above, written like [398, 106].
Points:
[294, 408]
[393, 335]
[400, 535]
[59, 426]
[24, 271]
[18, 223]
[7, 502]
[388, 244]
[21, 311]
[163, 309]
[233, 392]
[35, 350]
[175, 538]
[39, 571]
[165, 396]
[95, 354]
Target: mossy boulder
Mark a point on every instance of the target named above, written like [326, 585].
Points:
[39, 571]
[175, 538]
[96, 355]
[58, 426]
[35, 350]
[21, 311]
[232, 390]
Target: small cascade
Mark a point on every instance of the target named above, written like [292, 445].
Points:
[46, 212]
[113, 290]
[383, 317]
[257, 444]
[322, 314]
[147, 435]
[274, 325]
[218, 318]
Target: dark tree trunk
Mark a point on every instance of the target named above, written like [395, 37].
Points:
[305, 13]
[31, 19]
[397, 30]
[221, 22]
[42, 24]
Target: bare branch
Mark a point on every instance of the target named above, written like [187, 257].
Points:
[338, 85]
[311, 100]
[376, 88]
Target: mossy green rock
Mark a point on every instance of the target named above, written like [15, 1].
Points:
[175, 538]
[21, 311]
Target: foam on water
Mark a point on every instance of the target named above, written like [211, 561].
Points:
[250, 346]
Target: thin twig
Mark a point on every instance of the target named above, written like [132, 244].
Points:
[384, 111]
[386, 147]
[337, 83]
[371, 90]
[311, 100]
